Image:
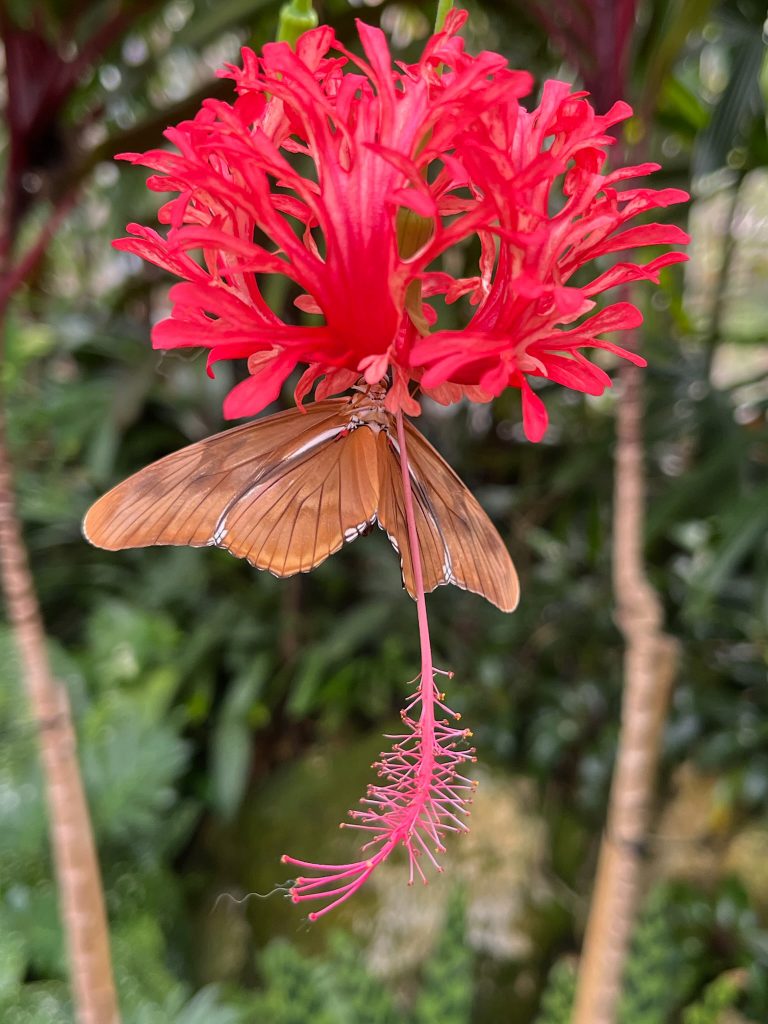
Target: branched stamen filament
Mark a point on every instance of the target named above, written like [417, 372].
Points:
[422, 798]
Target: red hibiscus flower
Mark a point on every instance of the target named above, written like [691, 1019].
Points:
[352, 180]
[336, 172]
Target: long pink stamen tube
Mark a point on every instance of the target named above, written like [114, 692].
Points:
[422, 795]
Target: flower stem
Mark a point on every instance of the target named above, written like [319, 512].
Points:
[296, 17]
[427, 672]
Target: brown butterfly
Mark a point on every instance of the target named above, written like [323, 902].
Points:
[286, 491]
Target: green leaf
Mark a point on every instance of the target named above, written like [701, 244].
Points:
[32, 912]
[739, 102]
[362, 624]
[558, 995]
[763, 83]
[292, 992]
[352, 993]
[42, 1003]
[130, 766]
[446, 992]
[146, 986]
[205, 1008]
[231, 739]
[13, 964]
[222, 16]
[678, 100]
[720, 995]
[658, 974]
[744, 527]
[129, 647]
[673, 22]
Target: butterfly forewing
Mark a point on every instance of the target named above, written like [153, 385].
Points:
[303, 509]
[458, 542]
[187, 497]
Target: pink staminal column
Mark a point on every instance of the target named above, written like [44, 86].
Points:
[422, 796]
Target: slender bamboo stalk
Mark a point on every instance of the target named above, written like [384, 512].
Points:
[73, 848]
[650, 663]
[74, 853]
[81, 899]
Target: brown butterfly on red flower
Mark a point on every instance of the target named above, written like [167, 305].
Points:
[286, 491]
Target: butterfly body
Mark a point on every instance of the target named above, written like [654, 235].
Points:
[287, 491]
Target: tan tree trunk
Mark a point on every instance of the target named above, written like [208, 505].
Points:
[650, 663]
[74, 853]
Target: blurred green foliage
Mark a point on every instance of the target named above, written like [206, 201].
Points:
[558, 995]
[214, 704]
[719, 995]
[660, 973]
[673, 956]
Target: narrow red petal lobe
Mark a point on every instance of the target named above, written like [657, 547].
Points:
[535, 419]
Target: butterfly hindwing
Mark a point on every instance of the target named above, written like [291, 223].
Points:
[458, 542]
[391, 517]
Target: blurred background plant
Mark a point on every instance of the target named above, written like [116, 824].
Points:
[223, 716]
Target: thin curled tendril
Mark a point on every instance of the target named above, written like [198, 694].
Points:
[285, 888]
